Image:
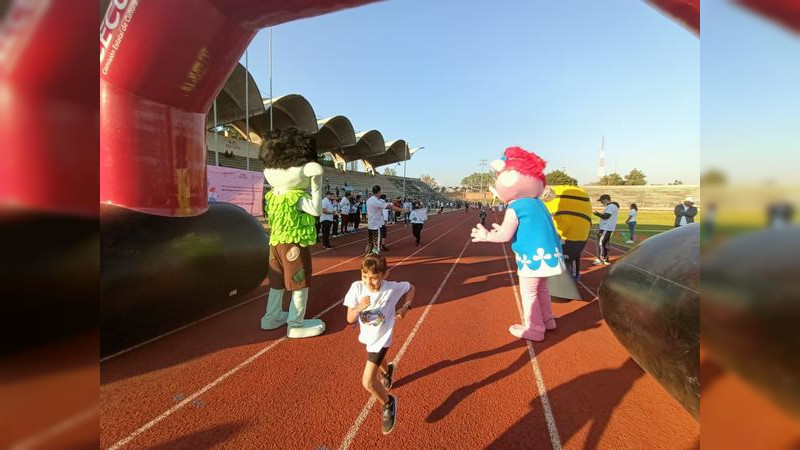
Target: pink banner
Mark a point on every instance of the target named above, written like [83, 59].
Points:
[240, 187]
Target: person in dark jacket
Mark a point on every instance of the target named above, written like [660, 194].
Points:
[685, 212]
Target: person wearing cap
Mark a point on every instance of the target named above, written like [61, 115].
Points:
[685, 212]
[608, 223]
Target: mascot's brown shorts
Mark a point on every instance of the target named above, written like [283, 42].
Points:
[289, 266]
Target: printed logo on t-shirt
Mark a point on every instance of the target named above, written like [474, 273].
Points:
[372, 317]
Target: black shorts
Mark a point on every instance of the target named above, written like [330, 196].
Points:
[377, 358]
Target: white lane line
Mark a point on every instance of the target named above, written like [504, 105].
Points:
[555, 440]
[141, 344]
[242, 365]
[351, 434]
[37, 439]
[589, 290]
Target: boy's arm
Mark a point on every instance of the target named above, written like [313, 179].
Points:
[407, 299]
[353, 312]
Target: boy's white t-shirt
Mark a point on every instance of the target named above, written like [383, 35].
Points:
[377, 321]
[611, 223]
[632, 215]
[344, 206]
[385, 215]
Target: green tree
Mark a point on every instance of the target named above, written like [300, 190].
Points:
[559, 177]
[389, 171]
[474, 181]
[612, 179]
[676, 183]
[713, 176]
[427, 179]
[635, 178]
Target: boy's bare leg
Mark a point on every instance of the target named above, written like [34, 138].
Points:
[372, 384]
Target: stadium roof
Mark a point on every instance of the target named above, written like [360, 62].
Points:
[335, 135]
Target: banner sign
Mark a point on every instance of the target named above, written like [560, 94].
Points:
[240, 187]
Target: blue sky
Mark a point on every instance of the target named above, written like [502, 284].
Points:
[552, 77]
[750, 101]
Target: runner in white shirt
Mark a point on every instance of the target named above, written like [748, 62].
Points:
[372, 302]
[608, 223]
[418, 217]
[376, 220]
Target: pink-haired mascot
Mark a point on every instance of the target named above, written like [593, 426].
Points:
[534, 240]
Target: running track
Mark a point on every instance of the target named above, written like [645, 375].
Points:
[461, 382]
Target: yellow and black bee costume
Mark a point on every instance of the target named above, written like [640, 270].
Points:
[571, 209]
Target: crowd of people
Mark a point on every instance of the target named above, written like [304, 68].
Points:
[342, 215]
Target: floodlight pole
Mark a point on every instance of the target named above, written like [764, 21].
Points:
[405, 163]
[482, 164]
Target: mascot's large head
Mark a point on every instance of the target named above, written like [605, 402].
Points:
[520, 173]
[290, 159]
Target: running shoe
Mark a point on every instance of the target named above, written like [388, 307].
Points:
[389, 415]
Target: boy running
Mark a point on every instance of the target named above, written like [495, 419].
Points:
[373, 302]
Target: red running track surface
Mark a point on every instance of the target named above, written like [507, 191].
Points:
[461, 381]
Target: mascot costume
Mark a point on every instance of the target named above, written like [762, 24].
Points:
[291, 168]
[572, 215]
[534, 241]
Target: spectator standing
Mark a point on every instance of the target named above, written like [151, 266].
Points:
[407, 206]
[608, 223]
[631, 221]
[355, 213]
[326, 219]
[685, 212]
[335, 217]
[344, 211]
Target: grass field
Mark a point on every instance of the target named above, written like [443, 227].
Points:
[649, 223]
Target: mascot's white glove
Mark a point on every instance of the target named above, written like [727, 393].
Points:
[479, 233]
[313, 206]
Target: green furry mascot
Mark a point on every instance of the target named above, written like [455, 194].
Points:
[291, 168]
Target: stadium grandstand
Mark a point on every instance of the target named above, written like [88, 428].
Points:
[240, 116]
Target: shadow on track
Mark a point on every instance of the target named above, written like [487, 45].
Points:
[585, 318]
[589, 398]
[204, 439]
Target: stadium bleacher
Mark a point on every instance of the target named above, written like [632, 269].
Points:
[357, 182]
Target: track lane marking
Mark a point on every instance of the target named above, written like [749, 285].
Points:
[552, 429]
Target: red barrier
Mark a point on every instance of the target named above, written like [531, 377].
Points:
[48, 108]
[161, 66]
[686, 12]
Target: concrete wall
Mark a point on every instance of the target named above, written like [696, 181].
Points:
[645, 197]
